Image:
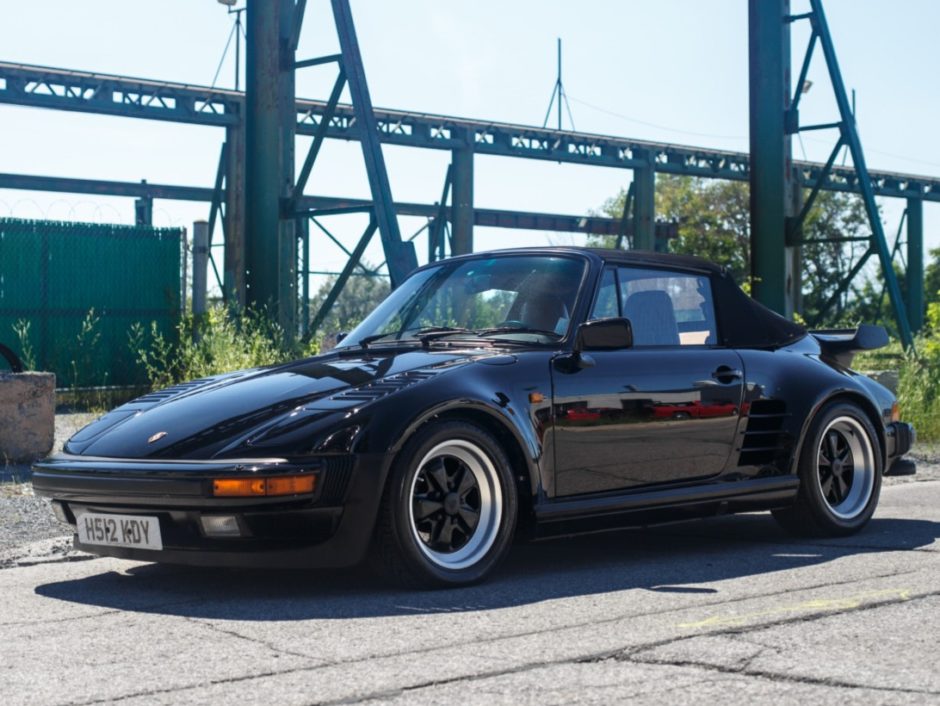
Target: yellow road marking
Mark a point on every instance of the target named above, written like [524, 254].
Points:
[814, 605]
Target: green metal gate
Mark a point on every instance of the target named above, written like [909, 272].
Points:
[80, 287]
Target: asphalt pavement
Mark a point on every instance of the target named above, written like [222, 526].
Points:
[728, 608]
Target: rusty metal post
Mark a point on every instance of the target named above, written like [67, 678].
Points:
[234, 266]
[768, 35]
[200, 267]
[462, 199]
[270, 123]
[644, 208]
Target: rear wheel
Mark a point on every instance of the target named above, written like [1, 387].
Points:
[840, 475]
[449, 508]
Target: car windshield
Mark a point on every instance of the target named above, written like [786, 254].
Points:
[511, 297]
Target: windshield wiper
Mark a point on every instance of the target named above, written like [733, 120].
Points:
[516, 329]
[430, 333]
[427, 333]
[366, 340]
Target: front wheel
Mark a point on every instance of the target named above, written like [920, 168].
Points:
[840, 475]
[449, 508]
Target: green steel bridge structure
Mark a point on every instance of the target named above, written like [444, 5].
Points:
[265, 212]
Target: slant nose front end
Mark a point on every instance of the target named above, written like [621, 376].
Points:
[252, 512]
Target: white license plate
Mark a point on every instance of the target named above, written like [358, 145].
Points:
[119, 530]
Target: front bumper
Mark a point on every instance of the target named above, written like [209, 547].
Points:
[331, 527]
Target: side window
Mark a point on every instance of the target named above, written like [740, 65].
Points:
[668, 308]
[606, 305]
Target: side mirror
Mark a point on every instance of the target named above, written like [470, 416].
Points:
[341, 335]
[612, 334]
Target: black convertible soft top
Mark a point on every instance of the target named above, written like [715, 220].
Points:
[745, 322]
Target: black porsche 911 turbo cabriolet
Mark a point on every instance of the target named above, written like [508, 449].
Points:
[529, 392]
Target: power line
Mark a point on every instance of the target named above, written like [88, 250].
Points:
[654, 125]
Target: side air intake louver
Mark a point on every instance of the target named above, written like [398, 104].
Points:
[763, 439]
[336, 479]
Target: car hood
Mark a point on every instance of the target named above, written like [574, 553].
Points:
[203, 418]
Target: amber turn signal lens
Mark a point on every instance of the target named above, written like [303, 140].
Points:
[289, 485]
[238, 487]
[260, 487]
[895, 412]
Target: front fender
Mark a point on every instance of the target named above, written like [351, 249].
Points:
[478, 390]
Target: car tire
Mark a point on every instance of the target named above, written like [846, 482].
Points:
[448, 512]
[840, 469]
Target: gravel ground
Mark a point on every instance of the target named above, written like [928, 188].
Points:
[26, 518]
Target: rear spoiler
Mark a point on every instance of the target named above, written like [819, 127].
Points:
[841, 344]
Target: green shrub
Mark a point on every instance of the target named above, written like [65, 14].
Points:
[918, 373]
[919, 386]
[87, 341]
[219, 342]
[27, 355]
[919, 395]
[891, 357]
[918, 376]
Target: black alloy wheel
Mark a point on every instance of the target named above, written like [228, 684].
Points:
[449, 509]
[447, 502]
[840, 470]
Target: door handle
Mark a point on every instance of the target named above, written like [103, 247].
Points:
[705, 383]
[726, 374]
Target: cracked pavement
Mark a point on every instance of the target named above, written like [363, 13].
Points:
[728, 608]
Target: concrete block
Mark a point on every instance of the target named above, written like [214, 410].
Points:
[27, 416]
[888, 378]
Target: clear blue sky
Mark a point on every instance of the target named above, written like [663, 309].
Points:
[671, 70]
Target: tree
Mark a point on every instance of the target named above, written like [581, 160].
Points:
[713, 218]
[359, 297]
[827, 261]
[932, 278]
[871, 302]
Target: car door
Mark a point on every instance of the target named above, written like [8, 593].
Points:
[662, 411]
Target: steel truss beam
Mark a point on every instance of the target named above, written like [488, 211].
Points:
[523, 220]
[628, 213]
[439, 223]
[400, 255]
[44, 87]
[351, 264]
[107, 94]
